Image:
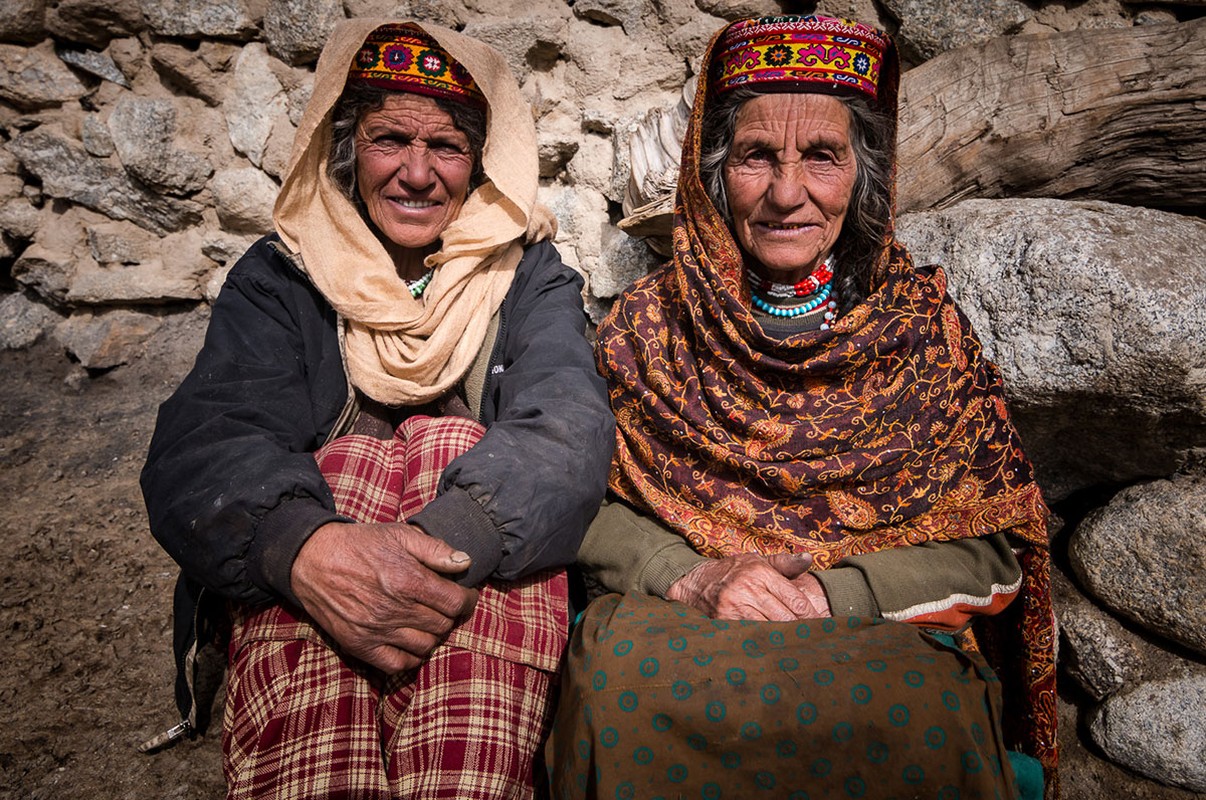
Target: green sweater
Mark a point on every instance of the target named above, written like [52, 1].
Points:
[943, 582]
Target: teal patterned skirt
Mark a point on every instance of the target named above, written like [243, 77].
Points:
[660, 701]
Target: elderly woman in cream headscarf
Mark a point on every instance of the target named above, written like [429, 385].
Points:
[390, 444]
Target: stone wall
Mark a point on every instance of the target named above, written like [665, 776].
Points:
[142, 143]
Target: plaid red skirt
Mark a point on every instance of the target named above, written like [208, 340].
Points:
[303, 722]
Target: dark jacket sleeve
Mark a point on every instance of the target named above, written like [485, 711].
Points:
[231, 487]
[520, 499]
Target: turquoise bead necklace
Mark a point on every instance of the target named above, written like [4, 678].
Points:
[793, 311]
[817, 287]
[822, 298]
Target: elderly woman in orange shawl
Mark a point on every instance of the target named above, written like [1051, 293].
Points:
[816, 469]
[391, 443]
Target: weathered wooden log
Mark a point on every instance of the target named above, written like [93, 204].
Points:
[1116, 114]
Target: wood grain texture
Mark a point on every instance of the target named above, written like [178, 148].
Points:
[1116, 114]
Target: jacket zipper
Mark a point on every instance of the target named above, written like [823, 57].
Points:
[185, 726]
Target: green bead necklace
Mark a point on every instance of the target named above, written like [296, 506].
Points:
[418, 286]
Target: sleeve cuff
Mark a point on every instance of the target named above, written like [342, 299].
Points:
[278, 539]
[848, 593]
[665, 567]
[457, 519]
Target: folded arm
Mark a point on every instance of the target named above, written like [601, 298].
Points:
[939, 585]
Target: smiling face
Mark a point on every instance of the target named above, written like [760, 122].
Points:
[789, 177]
[413, 167]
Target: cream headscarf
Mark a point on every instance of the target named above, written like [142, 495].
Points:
[402, 351]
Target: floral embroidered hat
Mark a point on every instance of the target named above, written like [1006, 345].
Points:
[799, 53]
[403, 58]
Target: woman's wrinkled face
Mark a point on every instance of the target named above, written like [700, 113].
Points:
[412, 170]
[789, 177]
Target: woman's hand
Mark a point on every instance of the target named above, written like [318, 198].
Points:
[377, 590]
[752, 586]
[812, 589]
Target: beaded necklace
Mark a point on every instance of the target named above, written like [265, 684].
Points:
[819, 284]
[789, 312]
[419, 285]
[821, 276]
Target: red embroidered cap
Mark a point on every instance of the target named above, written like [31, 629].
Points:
[800, 53]
[402, 57]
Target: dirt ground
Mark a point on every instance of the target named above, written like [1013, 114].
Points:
[85, 592]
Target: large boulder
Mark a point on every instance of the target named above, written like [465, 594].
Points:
[928, 28]
[67, 171]
[23, 321]
[105, 339]
[34, 77]
[243, 197]
[196, 19]
[144, 132]
[94, 22]
[296, 30]
[1158, 730]
[22, 20]
[1095, 313]
[255, 100]
[1144, 556]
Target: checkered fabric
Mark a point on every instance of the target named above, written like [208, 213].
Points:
[302, 722]
[383, 480]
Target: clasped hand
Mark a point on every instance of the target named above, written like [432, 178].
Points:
[753, 586]
[379, 590]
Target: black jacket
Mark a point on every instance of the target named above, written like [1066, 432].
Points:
[230, 483]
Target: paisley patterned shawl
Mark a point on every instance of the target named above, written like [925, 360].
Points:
[888, 430]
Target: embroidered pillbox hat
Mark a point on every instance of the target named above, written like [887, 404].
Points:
[799, 53]
[402, 57]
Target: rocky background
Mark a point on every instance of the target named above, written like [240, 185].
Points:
[1051, 158]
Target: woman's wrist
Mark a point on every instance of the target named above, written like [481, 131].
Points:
[685, 589]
